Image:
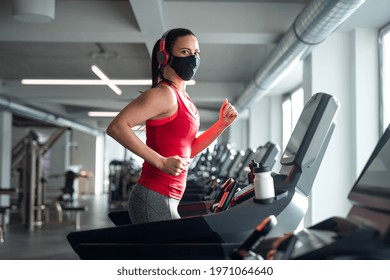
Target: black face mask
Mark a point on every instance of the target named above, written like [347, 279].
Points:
[185, 67]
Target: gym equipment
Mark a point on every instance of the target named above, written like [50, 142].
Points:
[364, 233]
[265, 155]
[205, 164]
[213, 167]
[224, 162]
[3, 211]
[246, 250]
[123, 175]
[68, 189]
[208, 235]
[197, 190]
[65, 203]
[27, 161]
[202, 251]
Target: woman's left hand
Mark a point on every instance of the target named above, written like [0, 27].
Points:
[227, 113]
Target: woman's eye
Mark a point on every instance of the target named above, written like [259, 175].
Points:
[188, 53]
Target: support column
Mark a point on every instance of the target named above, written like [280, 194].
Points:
[366, 88]
[5, 153]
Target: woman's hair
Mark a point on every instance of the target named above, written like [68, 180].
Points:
[170, 40]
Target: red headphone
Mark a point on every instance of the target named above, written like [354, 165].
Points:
[163, 55]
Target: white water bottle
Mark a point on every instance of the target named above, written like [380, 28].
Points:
[263, 182]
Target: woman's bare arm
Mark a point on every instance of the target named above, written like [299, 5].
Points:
[152, 104]
[227, 115]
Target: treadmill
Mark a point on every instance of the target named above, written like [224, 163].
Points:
[212, 236]
[365, 233]
[264, 155]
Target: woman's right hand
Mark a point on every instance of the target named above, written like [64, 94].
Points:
[227, 113]
[174, 165]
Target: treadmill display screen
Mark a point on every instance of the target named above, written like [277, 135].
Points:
[296, 138]
[310, 130]
[372, 189]
[260, 153]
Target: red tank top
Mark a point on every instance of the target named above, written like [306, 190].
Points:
[169, 137]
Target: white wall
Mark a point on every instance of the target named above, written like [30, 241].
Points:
[276, 114]
[113, 151]
[345, 65]
[83, 155]
[260, 123]
[238, 132]
[99, 174]
[265, 123]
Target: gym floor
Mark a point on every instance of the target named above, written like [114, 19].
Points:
[49, 241]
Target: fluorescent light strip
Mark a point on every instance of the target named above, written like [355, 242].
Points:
[103, 77]
[62, 82]
[102, 114]
[80, 82]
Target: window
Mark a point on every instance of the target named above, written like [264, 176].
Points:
[292, 107]
[384, 50]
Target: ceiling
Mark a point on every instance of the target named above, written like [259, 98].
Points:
[235, 37]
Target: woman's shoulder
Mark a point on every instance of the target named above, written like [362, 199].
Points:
[161, 96]
[160, 92]
[160, 89]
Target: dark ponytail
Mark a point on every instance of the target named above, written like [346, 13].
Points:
[170, 39]
[156, 75]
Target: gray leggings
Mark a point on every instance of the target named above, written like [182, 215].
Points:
[147, 206]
